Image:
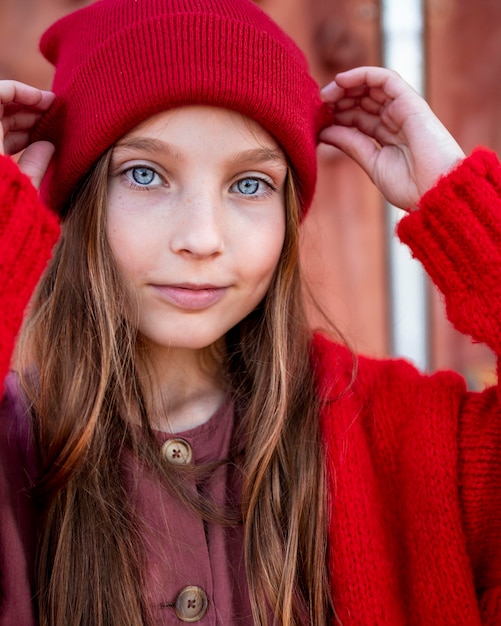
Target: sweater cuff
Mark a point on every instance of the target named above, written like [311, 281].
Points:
[456, 234]
[28, 232]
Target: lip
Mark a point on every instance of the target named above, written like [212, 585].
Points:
[190, 296]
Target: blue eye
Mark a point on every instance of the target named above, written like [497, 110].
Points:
[143, 175]
[248, 186]
[253, 187]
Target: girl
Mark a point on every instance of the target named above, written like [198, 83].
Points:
[178, 446]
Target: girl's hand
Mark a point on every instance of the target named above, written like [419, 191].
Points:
[20, 108]
[390, 131]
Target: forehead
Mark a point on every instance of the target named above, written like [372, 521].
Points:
[200, 125]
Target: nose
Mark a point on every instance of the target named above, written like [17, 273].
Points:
[199, 227]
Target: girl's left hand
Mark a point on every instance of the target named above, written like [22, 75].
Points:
[390, 131]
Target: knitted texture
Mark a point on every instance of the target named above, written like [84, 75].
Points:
[469, 193]
[414, 461]
[28, 232]
[120, 61]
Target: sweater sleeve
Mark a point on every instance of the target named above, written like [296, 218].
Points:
[28, 232]
[456, 234]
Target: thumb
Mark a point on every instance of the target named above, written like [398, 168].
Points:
[35, 160]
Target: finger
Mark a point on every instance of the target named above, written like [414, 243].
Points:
[345, 104]
[371, 106]
[365, 102]
[332, 92]
[354, 143]
[12, 91]
[35, 160]
[370, 76]
[356, 92]
[371, 125]
[382, 78]
[45, 102]
[24, 120]
[379, 95]
[15, 142]
[13, 108]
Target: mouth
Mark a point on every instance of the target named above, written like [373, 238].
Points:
[191, 296]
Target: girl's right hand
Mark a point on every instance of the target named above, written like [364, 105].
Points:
[21, 106]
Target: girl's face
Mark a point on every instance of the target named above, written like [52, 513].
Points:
[196, 221]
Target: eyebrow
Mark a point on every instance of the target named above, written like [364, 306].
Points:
[155, 146]
[260, 155]
[147, 144]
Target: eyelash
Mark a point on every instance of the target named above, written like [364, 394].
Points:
[127, 176]
[269, 187]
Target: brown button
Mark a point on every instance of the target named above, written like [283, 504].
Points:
[191, 604]
[177, 451]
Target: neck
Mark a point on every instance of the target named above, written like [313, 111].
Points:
[185, 387]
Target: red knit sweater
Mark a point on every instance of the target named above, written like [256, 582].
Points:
[28, 232]
[414, 461]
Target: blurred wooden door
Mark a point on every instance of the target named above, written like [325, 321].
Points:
[344, 246]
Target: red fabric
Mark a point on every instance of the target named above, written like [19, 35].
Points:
[120, 61]
[28, 232]
[414, 461]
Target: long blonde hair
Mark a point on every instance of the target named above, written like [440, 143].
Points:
[84, 353]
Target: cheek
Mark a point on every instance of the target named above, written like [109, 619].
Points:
[130, 234]
[129, 245]
[263, 250]
[274, 237]
[273, 254]
[118, 241]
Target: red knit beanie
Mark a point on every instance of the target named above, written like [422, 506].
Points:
[120, 61]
